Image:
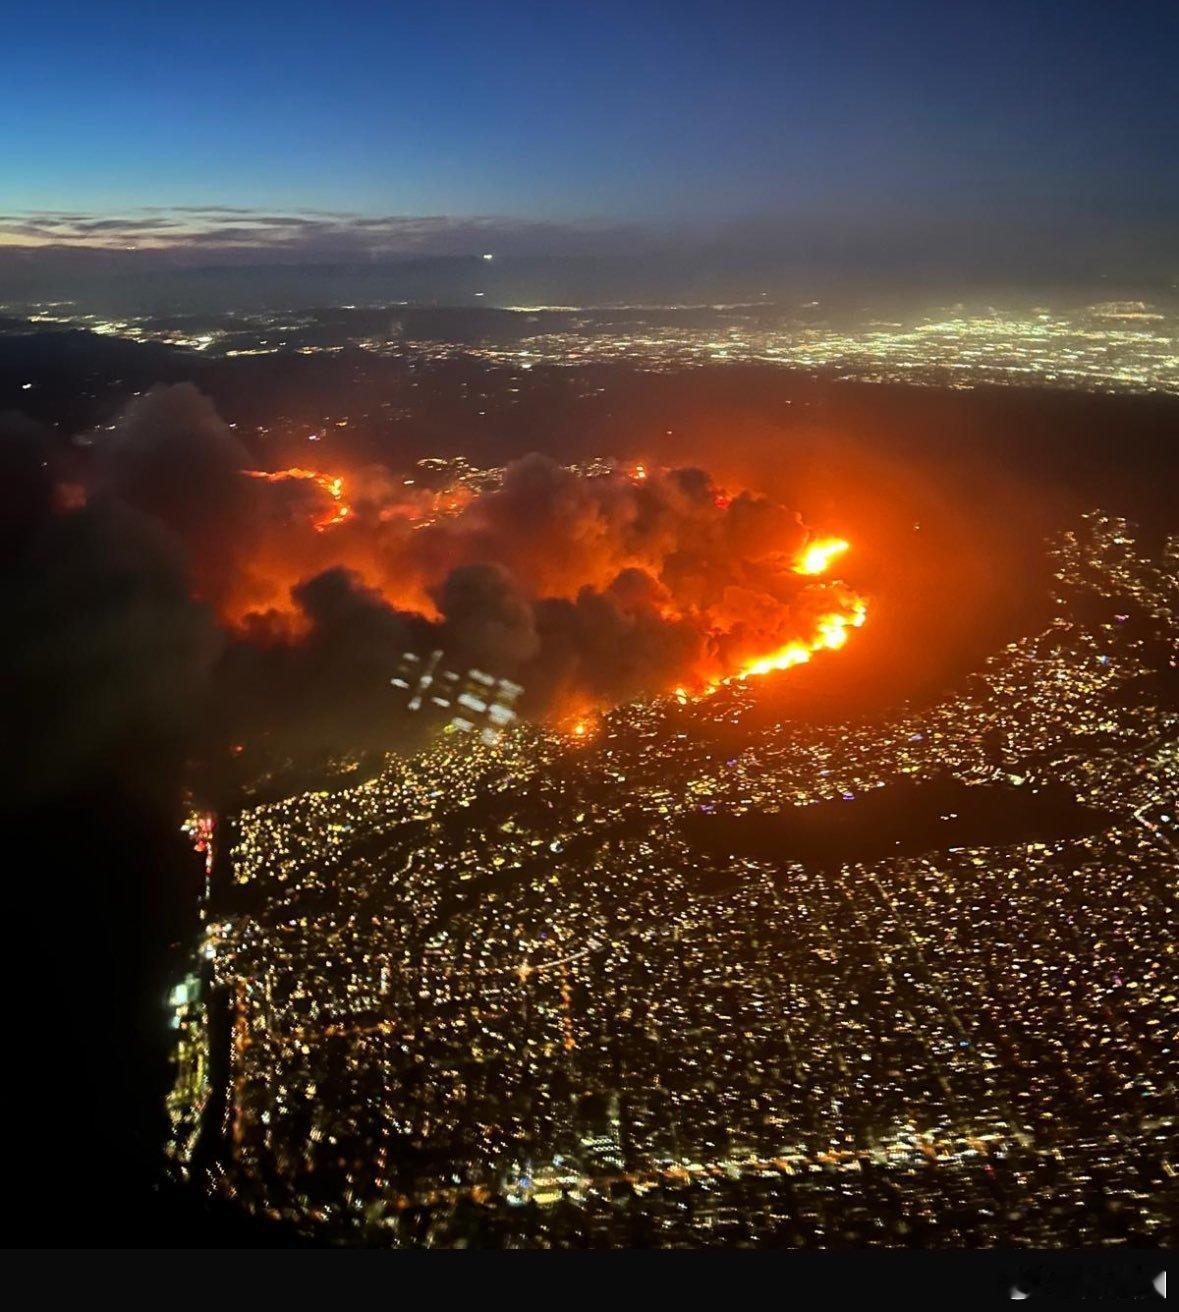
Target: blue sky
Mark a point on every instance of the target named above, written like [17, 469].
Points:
[675, 114]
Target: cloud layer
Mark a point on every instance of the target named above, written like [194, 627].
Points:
[197, 234]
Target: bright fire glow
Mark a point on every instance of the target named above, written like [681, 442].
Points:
[818, 555]
[332, 484]
[736, 639]
[830, 635]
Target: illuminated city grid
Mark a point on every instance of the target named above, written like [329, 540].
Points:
[1114, 346]
[496, 995]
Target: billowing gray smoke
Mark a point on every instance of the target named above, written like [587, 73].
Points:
[160, 593]
[107, 658]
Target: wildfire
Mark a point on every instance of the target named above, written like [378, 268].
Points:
[831, 634]
[817, 557]
[332, 484]
[838, 611]
[831, 631]
[580, 722]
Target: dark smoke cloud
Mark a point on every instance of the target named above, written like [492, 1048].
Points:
[327, 693]
[486, 616]
[172, 457]
[26, 484]
[608, 647]
[106, 654]
[588, 591]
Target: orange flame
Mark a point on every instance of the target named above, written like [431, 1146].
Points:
[831, 631]
[830, 634]
[838, 614]
[332, 484]
[818, 555]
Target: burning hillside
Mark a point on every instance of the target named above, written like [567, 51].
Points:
[589, 585]
[694, 583]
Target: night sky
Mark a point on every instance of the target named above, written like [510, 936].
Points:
[587, 123]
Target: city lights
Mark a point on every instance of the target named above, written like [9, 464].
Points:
[542, 926]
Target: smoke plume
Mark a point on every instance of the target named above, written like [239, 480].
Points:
[171, 582]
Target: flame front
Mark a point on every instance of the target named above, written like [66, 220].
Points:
[831, 634]
[332, 484]
[819, 554]
[831, 631]
[829, 609]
